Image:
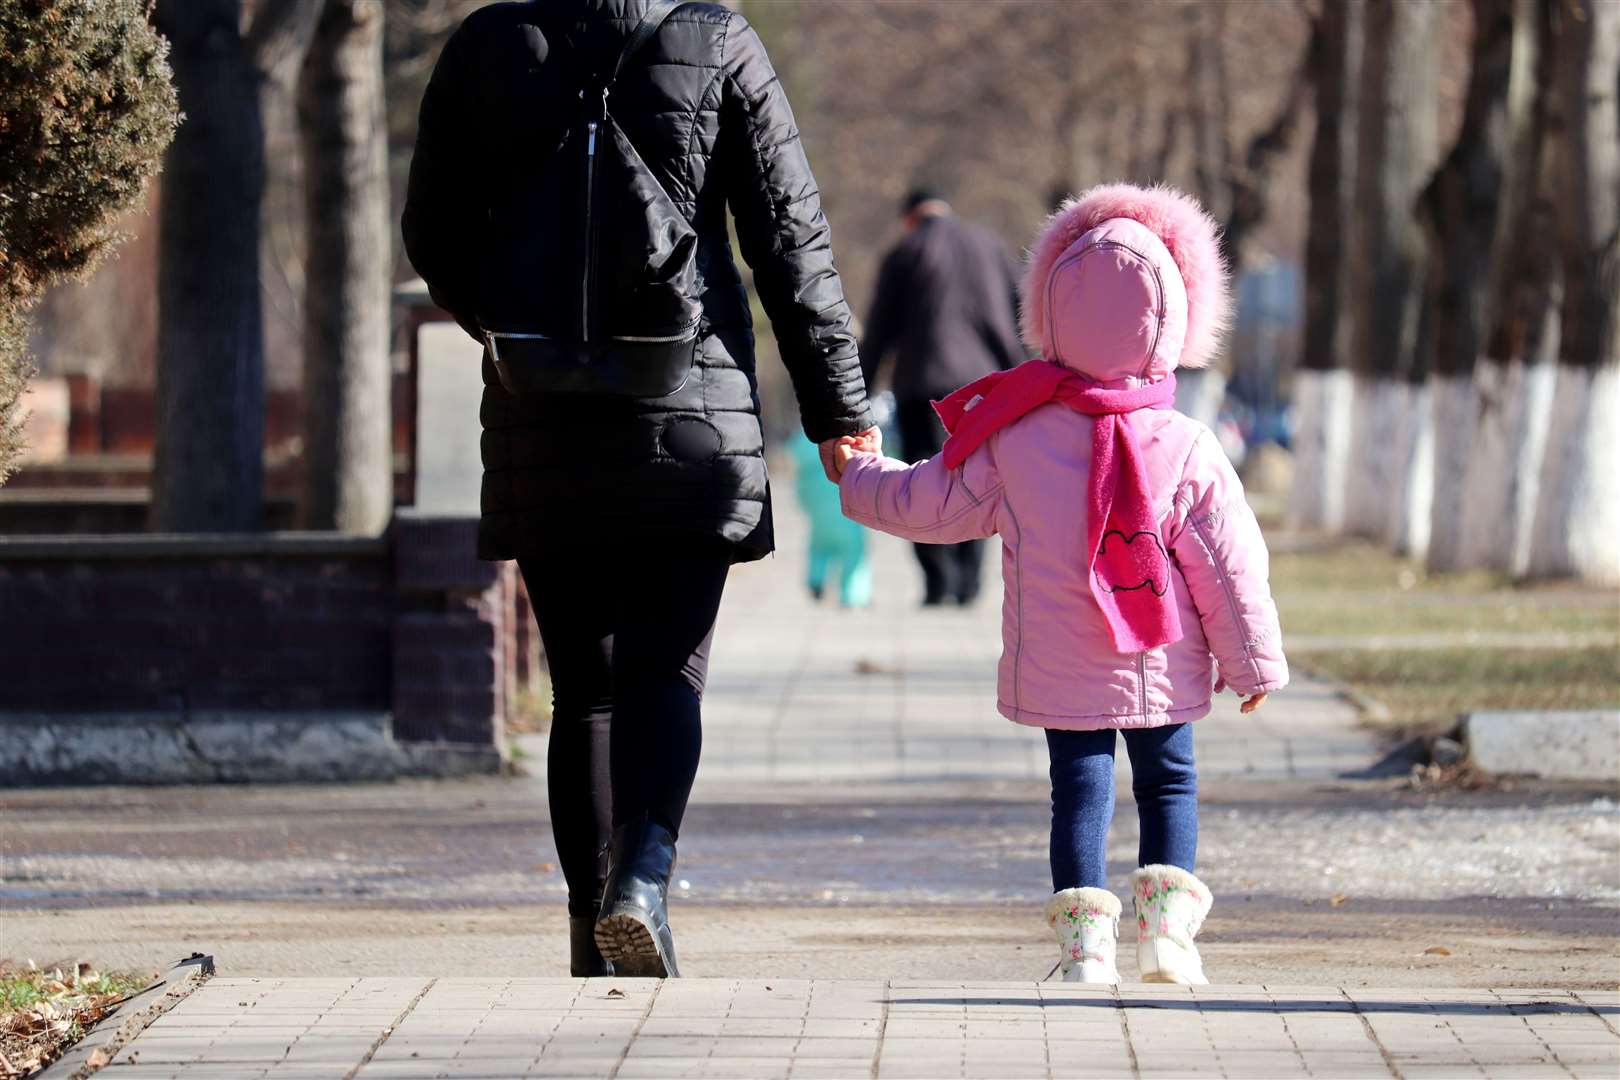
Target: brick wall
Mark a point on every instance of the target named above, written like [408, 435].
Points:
[410, 625]
[282, 626]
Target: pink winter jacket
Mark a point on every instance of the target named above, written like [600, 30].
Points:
[1124, 284]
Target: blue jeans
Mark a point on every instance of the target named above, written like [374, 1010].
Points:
[1163, 778]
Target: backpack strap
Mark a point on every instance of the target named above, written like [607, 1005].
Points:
[654, 17]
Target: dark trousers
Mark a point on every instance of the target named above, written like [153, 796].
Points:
[950, 571]
[627, 636]
[1163, 779]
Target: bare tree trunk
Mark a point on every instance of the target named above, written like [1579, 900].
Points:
[1250, 183]
[1209, 108]
[1460, 210]
[1395, 145]
[1323, 391]
[208, 473]
[348, 459]
[1513, 384]
[1159, 164]
[1578, 517]
[208, 470]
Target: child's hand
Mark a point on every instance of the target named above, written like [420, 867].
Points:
[867, 442]
[1253, 703]
[830, 463]
[844, 453]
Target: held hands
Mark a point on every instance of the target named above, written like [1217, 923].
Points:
[836, 454]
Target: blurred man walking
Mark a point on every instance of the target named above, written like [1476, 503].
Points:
[947, 307]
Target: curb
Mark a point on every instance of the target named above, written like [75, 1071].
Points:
[96, 1049]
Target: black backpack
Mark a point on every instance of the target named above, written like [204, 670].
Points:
[596, 290]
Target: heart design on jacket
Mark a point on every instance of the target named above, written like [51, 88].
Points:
[1127, 563]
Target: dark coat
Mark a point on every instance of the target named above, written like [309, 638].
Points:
[705, 110]
[947, 306]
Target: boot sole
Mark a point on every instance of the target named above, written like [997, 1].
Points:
[1167, 978]
[630, 945]
[1163, 961]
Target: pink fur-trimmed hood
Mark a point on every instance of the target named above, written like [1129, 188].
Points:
[1127, 281]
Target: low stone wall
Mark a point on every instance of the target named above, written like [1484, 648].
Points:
[285, 656]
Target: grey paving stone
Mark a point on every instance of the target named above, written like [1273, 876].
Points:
[830, 1068]
[725, 1028]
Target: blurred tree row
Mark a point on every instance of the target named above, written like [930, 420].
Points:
[1460, 396]
[86, 109]
[1011, 106]
[1455, 209]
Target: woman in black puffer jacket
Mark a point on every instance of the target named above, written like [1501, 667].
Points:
[625, 514]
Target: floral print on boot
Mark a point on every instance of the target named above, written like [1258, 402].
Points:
[1087, 926]
[1170, 908]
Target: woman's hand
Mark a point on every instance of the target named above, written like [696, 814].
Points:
[1253, 703]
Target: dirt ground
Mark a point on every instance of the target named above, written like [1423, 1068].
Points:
[1568, 945]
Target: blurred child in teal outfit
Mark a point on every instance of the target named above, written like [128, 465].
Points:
[835, 541]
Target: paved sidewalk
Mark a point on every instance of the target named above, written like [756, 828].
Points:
[416, 1029]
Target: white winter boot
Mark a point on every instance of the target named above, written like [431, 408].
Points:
[1170, 908]
[1087, 925]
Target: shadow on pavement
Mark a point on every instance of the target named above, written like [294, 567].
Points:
[1267, 1005]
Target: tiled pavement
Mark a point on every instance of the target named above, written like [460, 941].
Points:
[416, 1029]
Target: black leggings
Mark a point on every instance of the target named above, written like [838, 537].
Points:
[627, 635]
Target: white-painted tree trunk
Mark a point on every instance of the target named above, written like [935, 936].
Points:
[1371, 475]
[1512, 405]
[1411, 470]
[1324, 402]
[1199, 393]
[1577, 522]
[1456, 409]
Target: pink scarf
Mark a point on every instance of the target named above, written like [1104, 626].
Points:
[1130, 570]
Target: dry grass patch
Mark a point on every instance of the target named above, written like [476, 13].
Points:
[1355, 588]
[1490, 643]
[44, 1011]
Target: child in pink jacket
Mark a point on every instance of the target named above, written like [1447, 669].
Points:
[1135, 571]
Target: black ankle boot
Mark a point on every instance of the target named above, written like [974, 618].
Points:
[584, 958]
[632, 930]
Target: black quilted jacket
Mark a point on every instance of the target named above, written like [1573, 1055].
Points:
[704, 109]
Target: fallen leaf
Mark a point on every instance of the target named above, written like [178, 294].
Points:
[1437, 950]
[99, 1058]
[1338, 899]
[615, 993]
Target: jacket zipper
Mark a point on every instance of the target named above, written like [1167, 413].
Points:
[1141, 681]
[590, 231]
[687, 334]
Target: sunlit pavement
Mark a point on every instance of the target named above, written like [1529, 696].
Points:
[416, 1029]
